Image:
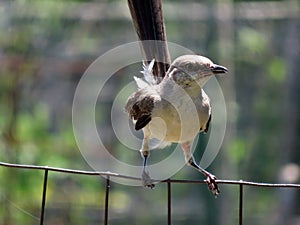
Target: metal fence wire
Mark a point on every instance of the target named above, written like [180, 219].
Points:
[170, 182]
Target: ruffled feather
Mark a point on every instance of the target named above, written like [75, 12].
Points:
[149, 78]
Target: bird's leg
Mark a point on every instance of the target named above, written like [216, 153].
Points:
[145, 152]
[210, 178]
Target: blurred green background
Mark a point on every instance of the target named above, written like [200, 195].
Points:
[45, 47]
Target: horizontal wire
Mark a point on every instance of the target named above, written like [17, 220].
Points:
[111, 174]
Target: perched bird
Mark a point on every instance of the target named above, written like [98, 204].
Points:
[174, 109]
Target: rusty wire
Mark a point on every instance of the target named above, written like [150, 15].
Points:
[169, 182]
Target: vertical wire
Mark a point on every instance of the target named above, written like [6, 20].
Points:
[106, 200]
[241, 205]
[169, 201]
[44, 197]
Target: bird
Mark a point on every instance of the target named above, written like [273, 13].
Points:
[174, 109]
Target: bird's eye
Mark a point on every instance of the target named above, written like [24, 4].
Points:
[189, 67]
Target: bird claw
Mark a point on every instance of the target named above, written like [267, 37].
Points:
[146, 180]
[212, 185]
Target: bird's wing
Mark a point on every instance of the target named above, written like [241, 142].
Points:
[141, 103]
[207, 124]
[139, 106]
[206, 111]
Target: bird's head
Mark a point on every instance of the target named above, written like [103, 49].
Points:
[190, 70]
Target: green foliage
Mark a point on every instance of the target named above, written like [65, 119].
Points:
[277, 70]
[237, 150]
[252, 44]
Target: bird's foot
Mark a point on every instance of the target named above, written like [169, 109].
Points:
[212, 185]
[146, 180]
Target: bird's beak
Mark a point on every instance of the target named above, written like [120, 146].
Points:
[217, 69]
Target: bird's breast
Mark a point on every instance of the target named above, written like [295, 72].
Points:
[178, 122]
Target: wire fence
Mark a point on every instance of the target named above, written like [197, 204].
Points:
[169, 182]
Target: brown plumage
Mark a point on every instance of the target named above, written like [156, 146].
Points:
[140, 106]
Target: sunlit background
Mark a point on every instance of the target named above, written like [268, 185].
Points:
[45, 47]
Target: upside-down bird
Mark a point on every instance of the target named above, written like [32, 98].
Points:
[174, 109]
